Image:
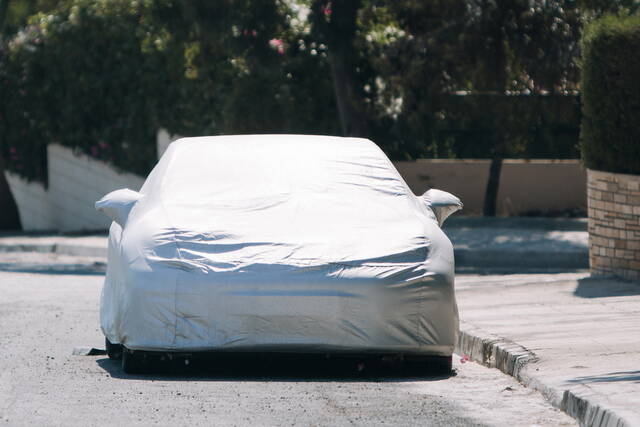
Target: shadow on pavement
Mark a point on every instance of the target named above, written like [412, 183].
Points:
[289, 368]
[493, 271]
[593, 287]
[632, 376]
[96, 269]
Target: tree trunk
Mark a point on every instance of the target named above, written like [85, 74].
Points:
[496, 79]
[493, 185]
[4, 8]
[9, 217]
[335, 22]
[351, 120]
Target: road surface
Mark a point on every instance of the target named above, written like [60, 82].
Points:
[49, 306]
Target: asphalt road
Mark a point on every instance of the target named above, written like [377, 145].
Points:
[49, 306]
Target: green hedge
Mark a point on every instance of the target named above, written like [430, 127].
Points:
[534, 126]
[102, 76]
[610, 134]
[85, 77]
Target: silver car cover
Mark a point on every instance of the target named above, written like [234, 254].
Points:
[279, 243]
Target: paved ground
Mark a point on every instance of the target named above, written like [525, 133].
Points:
[46, 313]
[519, 244]
[586, 333]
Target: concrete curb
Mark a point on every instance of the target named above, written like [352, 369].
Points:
[511, 358]
[522, 260]
[529, 223]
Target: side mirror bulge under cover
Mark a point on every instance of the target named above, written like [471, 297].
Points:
[117, 204]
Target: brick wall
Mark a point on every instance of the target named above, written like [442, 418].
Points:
[614, 224]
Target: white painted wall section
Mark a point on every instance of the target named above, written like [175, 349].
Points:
[76, 181]
[33, 203]
[163, 139]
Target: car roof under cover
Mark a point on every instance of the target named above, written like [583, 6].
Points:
[337, 193]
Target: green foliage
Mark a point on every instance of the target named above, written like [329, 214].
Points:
[610, 135]
[14, 14]
[102, 76]
[536, 126]
[487, 49]
[81, 77]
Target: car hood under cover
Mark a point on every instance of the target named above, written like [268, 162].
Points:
[282, 243]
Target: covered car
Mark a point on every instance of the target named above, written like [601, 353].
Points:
[278, 243]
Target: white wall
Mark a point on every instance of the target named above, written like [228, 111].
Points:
[33, 203]
[526, 186]
[163, 139]
[76, 181]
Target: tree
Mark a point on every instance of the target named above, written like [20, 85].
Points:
[9, 215]
[335, 23]
[230, 66]
[480, 47]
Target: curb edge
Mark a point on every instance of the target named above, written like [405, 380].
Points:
[511, 358]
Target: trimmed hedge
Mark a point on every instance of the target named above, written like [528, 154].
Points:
[86, 77]
[101, 76]
[610, 134]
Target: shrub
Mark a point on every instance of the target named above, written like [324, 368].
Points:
[610, 134]
[101, 76]
[91, 76]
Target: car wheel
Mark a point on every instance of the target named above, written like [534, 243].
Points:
[433, 365]
[114, 351]
[440, 365]
[134, 362]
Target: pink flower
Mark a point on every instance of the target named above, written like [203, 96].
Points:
[464, 358]
[326, 10]
[278, 45]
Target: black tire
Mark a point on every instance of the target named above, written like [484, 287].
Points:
[114, 351]
[134, 362]
[433, 365]
[440, 365]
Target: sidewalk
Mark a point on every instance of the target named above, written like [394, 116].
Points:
[91, 246]
[519, 244]
[578, 339]
[496, 244]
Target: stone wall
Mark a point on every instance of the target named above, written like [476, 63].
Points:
[527, 187]
[614, 224]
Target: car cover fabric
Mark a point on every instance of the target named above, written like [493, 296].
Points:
[279, 243]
